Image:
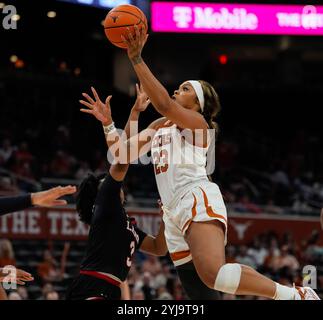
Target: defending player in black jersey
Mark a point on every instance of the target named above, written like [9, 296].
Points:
[113, 238]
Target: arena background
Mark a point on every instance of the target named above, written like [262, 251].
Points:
[269, 153]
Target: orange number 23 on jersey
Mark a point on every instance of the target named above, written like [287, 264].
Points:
[161, 161]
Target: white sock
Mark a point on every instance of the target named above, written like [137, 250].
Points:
[284, 292]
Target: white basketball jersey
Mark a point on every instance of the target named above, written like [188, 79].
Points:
[178, 164]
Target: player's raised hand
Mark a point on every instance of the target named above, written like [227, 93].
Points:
[135, 44]
[49, 198]
[101, 111]
[13, 275]
[142, 101]
[23, 276]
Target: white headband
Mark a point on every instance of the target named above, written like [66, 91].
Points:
[199, 92]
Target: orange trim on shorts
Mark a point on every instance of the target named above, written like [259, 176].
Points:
[193, 213]
[186, 223]
[180, 255]
[209, 209]
[194, 206]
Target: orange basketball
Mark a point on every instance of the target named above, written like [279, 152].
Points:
[119, 19]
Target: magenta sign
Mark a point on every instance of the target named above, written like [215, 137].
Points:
[237, 18]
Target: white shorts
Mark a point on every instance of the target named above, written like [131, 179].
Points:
[202, 203]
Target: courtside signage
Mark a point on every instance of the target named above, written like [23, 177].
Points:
[181, 17]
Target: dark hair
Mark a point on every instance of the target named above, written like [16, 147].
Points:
[86, 196]
[212, 105]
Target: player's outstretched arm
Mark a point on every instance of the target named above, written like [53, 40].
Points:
[43, 198]
[124, 151]
[118, 171]
[157, 93]
[141, 104]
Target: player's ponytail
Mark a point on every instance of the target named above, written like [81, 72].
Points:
[212, 105]
[86, 196]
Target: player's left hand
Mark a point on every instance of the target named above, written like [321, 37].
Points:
[142, 101]
[135, 44]
[15, 275]
[97, 108]
[50, 197]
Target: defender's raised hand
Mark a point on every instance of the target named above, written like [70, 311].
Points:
[13, 275]
[101, 111]
[50, 198]
[142, 101]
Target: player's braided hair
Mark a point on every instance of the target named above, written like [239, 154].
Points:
[86, 195]
[212, 105]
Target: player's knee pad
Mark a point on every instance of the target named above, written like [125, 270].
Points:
[228, 278]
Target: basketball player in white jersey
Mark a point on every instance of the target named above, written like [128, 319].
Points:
[194, 210]
[195, 289]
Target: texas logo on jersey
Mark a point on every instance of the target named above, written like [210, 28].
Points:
[162, 140]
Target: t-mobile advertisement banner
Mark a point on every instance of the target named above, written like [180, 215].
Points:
[64, 224]
[237, 18]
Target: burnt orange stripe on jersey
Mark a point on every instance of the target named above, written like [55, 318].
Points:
[209, 209]
[180, 255]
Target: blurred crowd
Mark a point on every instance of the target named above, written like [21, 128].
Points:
[20, 160]
[257, 174]
[47, 272]
[151, 278]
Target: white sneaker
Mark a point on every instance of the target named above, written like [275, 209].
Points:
[306, 293]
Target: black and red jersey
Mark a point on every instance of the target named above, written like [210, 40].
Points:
[113, 236]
